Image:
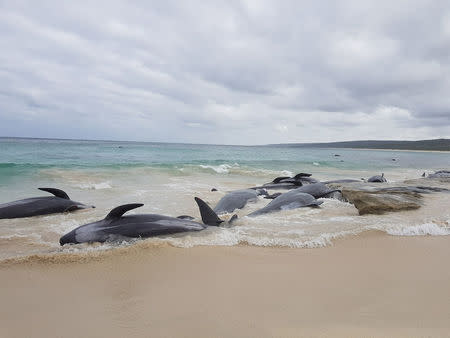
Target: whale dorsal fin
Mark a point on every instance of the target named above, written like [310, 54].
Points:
[120, 210]
[209, 217]
[278, 179]
[301, 175]
[56, 192]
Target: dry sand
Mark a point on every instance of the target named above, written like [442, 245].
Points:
[372, 285]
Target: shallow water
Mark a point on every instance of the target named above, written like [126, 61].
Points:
[166, 177]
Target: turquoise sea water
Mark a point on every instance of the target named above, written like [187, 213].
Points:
[25, 157]
[166, 177]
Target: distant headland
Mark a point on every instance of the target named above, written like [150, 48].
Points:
[436, 145]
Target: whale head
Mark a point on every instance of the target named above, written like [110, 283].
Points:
[68, 238]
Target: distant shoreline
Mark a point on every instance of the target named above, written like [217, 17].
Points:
[406, 150]
[434, 145]
[442, 145]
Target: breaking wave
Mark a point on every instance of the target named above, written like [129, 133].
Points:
[95, 186]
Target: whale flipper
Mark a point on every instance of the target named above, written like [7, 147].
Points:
[56, 192]
[72, 208]
[209, 217]
[120, 210]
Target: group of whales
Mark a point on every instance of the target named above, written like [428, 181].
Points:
[304, 191]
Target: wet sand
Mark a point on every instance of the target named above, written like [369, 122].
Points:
[371, 285]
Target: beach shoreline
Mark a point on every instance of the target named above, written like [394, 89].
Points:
[372, 285]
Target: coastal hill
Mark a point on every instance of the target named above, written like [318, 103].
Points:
[437, 144]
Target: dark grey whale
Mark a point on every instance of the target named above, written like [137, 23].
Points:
[237, 200]
[440, 174]
[35, 206]
[377, 179]
[317, 190]
[115, 225]
[289, 200]
[285, 182]
[277, 186]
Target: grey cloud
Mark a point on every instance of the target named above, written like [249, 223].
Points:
[225, 71]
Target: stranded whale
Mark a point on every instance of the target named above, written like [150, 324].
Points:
[115, 225]
[290, 200]
[317, 190]
[377, 179]
[35, 206]
[237, 200]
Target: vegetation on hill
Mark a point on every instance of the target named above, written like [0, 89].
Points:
[437, 144]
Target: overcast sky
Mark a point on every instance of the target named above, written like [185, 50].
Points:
[233, 72]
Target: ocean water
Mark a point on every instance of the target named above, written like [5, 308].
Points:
[166, 177]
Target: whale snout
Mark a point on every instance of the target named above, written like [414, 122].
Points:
[84, 206]
[68, 238]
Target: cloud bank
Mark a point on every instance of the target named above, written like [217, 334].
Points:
[233, 72]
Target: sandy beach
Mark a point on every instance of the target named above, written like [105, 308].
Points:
[371, 285]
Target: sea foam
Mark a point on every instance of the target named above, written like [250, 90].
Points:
[419, 230]
[95, 186]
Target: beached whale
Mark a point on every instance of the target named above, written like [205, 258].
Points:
[290, 200]
[288, 183]
[285, 182]
[287, 179]
[377, 179]
[440, 174]
[277, 186]
[117, 226]
[317, 190]
[237, 200]
[35, 206]
[299, 179]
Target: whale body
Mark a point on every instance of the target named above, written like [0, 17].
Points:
[377, 179]
[115, 225]
[35, 206]
[317, 190]
[237, 200]
[290, 200]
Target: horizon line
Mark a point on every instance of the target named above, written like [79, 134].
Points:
[213, 144]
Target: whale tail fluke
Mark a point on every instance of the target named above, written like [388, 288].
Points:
[209, 217]
[56, 192]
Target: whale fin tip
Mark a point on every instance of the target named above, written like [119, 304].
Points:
[121, 209]
[56, 192]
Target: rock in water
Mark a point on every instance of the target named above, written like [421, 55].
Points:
[379, 202]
